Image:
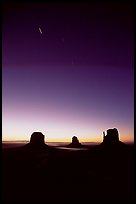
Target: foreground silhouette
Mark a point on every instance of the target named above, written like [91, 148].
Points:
[37, 172]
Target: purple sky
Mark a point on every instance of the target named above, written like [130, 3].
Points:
[74, 78]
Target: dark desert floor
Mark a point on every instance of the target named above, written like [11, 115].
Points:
[54, 174]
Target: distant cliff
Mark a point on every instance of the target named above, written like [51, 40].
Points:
[75, 143]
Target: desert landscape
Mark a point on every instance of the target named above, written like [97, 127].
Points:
[36, 172]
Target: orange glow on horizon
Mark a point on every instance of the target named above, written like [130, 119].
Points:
[124, 139]
[61, 132]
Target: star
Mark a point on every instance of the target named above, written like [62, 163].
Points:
[40, 31]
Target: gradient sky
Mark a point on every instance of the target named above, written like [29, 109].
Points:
[76, 78]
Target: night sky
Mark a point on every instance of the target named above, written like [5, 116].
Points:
[75, 77]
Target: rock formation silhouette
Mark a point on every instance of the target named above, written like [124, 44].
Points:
[37, 138]
[112, 139]
[75, 143]
[37, 141]
[39, 171]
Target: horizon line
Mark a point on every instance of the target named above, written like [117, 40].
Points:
[132, 142]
